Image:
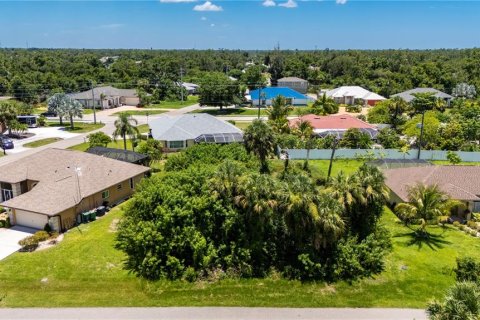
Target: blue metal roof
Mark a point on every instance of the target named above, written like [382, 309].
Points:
[273, 92]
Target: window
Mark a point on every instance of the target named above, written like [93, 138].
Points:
[132, 185]
[119, 186]
[105, 194]
[175, 144]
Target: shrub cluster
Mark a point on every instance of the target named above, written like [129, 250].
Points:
[227, 219]
[30, 243]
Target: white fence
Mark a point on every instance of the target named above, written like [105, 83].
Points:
[296, 154]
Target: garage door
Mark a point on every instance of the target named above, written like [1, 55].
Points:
[131, 101]
[30, 219]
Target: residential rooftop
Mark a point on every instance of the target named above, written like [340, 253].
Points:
[64, 178]
[409, 94]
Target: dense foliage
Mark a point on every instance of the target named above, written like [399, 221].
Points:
[211, 212]
[34, 74]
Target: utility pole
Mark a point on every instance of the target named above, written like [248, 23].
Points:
[93, 104]
[259, 101]
[181, 82]
[421, 135]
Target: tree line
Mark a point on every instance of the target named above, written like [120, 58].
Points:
[33, 75]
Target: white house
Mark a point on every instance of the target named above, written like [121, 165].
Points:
[294, 83]
[179, 132]
[353, 95]
[106, 97]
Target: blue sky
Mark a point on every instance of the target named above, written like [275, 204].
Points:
[254, 24]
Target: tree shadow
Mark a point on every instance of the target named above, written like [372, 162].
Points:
[420, 239]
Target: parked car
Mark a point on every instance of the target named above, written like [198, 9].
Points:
[6, 143]
[49, 114]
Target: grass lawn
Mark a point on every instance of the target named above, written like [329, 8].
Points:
[242, 124]
[232, 112]
[143, 128]
[447, 163]
[191, 100]
[140, 112]
[79, 127]
[114, 144]
[86, 270]
[319, 168]
[41, 142]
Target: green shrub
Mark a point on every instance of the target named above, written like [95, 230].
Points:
[468, 269]
[47, 228]
[354, 108]
[41, 235]
[456, 224]
[472, 224]
[29, 243]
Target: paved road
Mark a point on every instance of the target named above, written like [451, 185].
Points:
[105, 117]
[212, 313]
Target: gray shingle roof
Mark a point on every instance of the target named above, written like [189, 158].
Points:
[408, 95]
[291, 79]
[460, 182]
[108, 91]
[189, 127]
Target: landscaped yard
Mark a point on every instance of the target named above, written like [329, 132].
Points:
[114, 144]
[242, 124]
[140, 112]
[143, 128]
[191, 100]
[86, 270]
[319, 168]
[232, 112]
[79, 127]
[41, 142]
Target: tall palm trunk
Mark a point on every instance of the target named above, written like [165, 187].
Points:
[71, 122]
[124, 141]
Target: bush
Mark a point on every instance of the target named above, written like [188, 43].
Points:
[354, 108]
[41, 121]
[30, 243]
[468, 269]
[472, 224]
[47, 228]
[456, 224]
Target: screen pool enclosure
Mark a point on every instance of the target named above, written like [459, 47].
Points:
[219, 138]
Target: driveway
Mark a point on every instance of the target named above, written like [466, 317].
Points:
[9, 239]
[39, 134]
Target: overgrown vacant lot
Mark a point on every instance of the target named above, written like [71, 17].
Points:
[86, 270]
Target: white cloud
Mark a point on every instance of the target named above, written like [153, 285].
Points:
[289, 4]
[269, 3]
[212, 25]
[176, 1]
[207, 6]
[203, 18]
[341, 1]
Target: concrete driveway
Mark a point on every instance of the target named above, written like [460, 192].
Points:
[39, 134]
[9, 239]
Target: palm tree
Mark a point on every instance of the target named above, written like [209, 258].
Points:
[397, 107]
[72, 108]
[462, 301]
[259, 139]
[345, 189]
[425, 203]
[226, 180]
[257, 195]
[305, 132]
[278, 113]
[309, 213]
[324, 105]
[125, 125]
[56, 104]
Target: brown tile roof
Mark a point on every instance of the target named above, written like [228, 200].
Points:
[459, 182]
[64, 178]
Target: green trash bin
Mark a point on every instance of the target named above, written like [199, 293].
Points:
[93, 215]
[85, 217]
